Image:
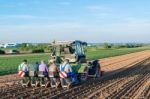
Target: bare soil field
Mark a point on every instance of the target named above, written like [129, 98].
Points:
[126, 76]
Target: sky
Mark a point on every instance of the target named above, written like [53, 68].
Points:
[115, 21]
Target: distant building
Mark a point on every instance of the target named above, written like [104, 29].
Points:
[11, 45]
[1, 45]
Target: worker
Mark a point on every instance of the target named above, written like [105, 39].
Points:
[54, 73]
[33, 71]
[24, 72]
[23, 68]
[34, 67]
[43, 72]
[43, 68]
[65, 70]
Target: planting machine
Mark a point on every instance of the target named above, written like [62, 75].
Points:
[73, 51]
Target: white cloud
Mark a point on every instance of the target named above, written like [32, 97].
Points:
[20, 3]
[100, 11]
[23, 17]
[116, 32]
[17, 16]
[64, 3]
[98, 8]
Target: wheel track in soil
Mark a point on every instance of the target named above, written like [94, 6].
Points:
[145, 92]
[132, 89]
[129, 78]
[126, 90]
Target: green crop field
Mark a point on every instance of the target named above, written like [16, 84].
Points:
[103, 53]
[9, 64]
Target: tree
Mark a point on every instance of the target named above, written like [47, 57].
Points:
[106, 46]
[23, 45]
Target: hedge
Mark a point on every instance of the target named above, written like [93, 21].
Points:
[38, 51]
[2, 52]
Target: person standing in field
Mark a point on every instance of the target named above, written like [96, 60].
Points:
[43, 68]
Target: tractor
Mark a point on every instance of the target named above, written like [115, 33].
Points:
[74, 51]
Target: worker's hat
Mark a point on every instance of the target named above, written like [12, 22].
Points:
[51, 61]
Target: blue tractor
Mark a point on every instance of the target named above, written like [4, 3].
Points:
[74, 51]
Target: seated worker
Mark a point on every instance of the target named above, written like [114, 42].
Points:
[54, 72]
[33, 71]
[34, 67]
[23, 69]
[65, 69]
[43, 68]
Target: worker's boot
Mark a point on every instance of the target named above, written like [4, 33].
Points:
[37, 83]
[57, 84]
[69, 85]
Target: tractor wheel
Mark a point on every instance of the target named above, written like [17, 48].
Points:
[82, 60]
[97, 66]
[84, 77]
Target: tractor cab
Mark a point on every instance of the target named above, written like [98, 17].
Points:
[72, 50]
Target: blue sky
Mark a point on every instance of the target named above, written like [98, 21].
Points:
[88, 20]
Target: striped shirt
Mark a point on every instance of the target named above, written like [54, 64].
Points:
[67, 68]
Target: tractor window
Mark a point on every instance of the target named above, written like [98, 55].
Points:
[79, 49]
[66, 50]
[53, 51]
[58, 53]
[69, 50]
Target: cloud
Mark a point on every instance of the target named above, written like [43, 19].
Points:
[64, 3]
[99, 11]
[23, 17]
[17, 16]
[68, 27]
[116, 32]
[98, 8]
[19, 3]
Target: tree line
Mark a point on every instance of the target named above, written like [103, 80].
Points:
[127, 45]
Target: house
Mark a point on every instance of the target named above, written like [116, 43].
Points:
[11, 45]
[1, 45]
